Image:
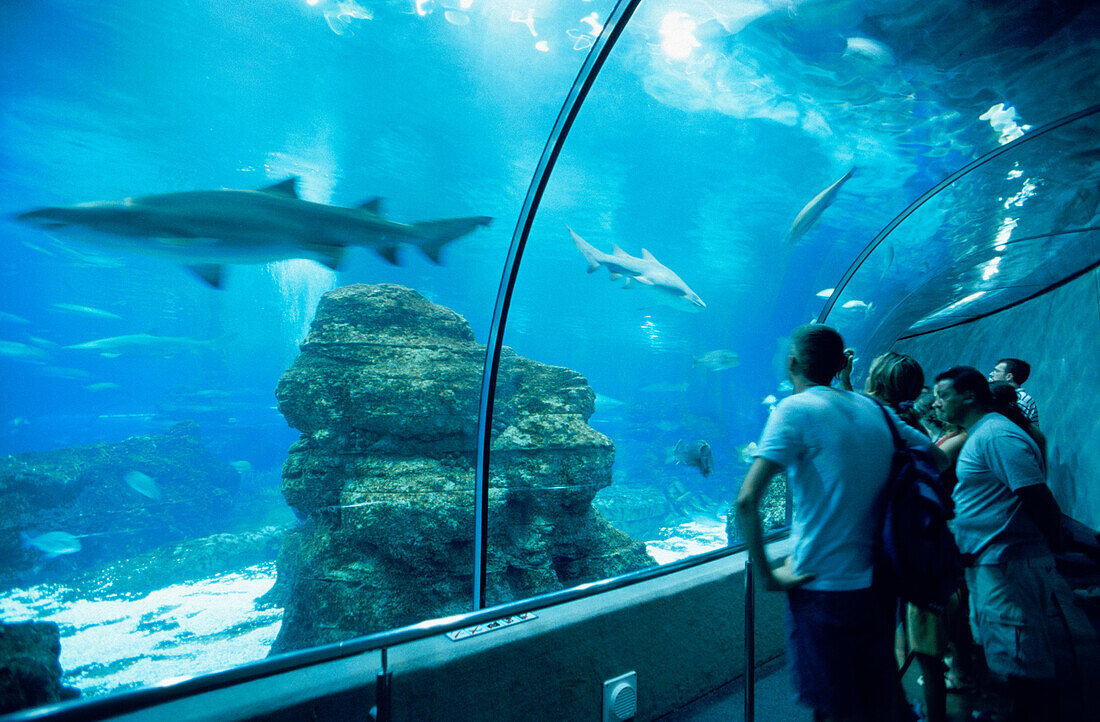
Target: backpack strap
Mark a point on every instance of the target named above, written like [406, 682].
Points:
[899, 443]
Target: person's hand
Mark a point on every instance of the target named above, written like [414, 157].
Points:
[846, 372]
[787, 577]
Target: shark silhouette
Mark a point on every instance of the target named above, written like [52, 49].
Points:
[205, 230]
[646, 272]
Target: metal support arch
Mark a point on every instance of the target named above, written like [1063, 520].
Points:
[616, 22]
[934, 190]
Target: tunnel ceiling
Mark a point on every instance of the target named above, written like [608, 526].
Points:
[1019, 222]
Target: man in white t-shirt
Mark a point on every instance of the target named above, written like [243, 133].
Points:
[1006, 520]
[836, 448]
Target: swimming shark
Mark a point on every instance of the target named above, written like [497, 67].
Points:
[205, 230]
[646, 272]
[817, 205]
[144, 344]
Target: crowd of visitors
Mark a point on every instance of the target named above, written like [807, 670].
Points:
[1010, 617]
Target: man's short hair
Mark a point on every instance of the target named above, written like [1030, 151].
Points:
[1020, 370]
[968, 378]
[895, 378]
[820, 352]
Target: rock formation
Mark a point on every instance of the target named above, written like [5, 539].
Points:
[182, 492]
[30, 670]
[386, 393]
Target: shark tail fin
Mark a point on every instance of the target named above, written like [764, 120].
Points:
[434, 235]
[587, 249]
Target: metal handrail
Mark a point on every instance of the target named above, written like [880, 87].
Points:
[616, 22]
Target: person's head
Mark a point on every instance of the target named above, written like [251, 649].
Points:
[1004, 394]
[817, 353]
[961, 391]
[925, 409]
[894, 378]
[1012, 370]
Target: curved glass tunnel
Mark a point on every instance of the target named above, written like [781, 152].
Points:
[200, 476]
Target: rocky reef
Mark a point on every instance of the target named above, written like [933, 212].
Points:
[71, 510]
[30, 670]
[386, 393]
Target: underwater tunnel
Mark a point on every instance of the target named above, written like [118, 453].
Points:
[401, 360]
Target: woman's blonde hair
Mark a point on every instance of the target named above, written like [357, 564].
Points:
[894, 378]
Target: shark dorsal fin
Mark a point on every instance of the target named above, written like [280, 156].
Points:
[288, 187]
[374, 205]
[648, 256]
[616, 251]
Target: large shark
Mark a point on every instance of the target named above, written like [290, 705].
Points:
[646, 272]
[817, 205]
[206, 229]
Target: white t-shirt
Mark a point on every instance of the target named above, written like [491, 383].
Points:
[837, 449]
[997, 458]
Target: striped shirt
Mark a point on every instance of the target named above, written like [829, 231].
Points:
[1027, 405]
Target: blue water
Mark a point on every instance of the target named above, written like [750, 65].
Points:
[711, 126]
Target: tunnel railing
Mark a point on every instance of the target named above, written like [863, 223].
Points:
[144, 698]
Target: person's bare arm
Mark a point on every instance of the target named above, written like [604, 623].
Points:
[747, 506]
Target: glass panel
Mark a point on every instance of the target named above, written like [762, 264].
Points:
[1023, 221]
[753, 151]
[150, 472]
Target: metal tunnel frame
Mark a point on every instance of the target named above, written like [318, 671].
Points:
[613, 28]
[934, 190]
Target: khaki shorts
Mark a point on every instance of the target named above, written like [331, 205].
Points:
[1016, 615]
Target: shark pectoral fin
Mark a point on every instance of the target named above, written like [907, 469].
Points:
[288, 187]
[209, 272]
[374, 205]
[390, 254]
[331, 257]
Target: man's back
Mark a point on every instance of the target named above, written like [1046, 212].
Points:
[837, 451]
[997, 460]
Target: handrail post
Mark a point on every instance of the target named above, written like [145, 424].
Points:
[383, 703]
[750, 644]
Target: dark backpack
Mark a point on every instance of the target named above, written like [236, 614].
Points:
[918, 554]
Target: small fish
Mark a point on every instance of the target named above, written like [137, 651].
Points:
[243, 468]
[15, 351]
[719, 360]
[869, 49]
[58, 372]
[697, 454]
[747, 451]
[143, 484]
[606, 404]
[53, 543]
[856, 303]
[826, 293]
[769, 400]
[102, 386]
[13, 319]
[87, 311]
[813, 210]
